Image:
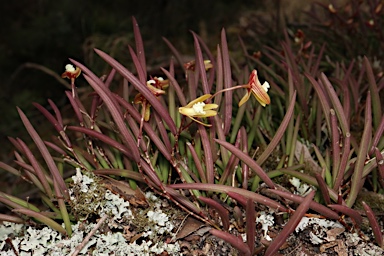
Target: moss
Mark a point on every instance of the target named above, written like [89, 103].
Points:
[87, 195]
[374, 200]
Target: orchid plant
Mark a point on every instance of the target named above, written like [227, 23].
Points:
[146, 141]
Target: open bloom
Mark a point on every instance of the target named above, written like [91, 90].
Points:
[257, 89]
[71, 72]
[156, 85]
[158, 82]
[197, 108]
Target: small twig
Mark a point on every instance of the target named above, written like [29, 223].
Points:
[180, 227]
[86, 239]
[9, 242]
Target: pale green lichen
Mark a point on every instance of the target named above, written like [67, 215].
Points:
[49, 242]
[302, 188]
[90, 198]
[266, 221]
[318, 228]
[8, 228]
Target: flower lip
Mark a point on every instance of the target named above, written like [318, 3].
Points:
[69, 68]
[266, 86]
[199, 108]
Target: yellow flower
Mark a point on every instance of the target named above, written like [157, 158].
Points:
[257, 89]
[155, 85]
[146, 111]
[208, 65]
[191, 65]
[198, 109]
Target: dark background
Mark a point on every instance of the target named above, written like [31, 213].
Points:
[49, 32]
[46, 33]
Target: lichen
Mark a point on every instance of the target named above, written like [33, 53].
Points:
[302, 188]
[88, 197]
[318, 228]
[266, 220]
[49, 242]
